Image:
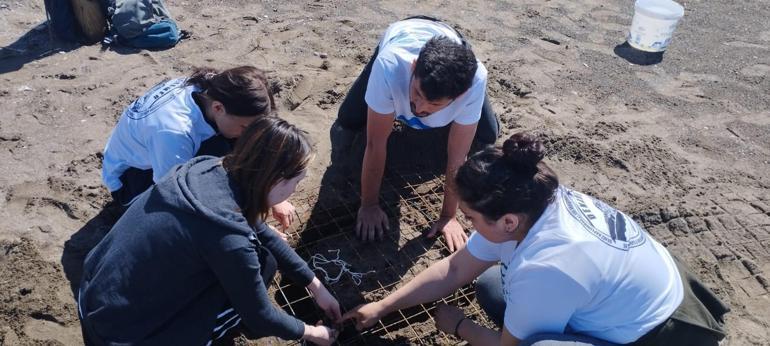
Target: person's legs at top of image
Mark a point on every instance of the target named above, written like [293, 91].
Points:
[488, 129]
[352, 113]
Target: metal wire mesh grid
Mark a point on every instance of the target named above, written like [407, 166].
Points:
[327, 222]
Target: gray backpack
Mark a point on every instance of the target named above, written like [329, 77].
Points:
[141, 24]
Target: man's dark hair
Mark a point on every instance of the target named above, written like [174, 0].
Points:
[445, 68]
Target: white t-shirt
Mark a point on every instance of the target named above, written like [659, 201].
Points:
[586, 266]
[159, 130]
[388, 88]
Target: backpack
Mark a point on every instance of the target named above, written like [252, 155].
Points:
[62, 20]
[76, 20]
[141, 24]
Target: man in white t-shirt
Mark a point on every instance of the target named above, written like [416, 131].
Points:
[424, 75]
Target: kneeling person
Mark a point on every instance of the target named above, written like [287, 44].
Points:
[192, 257]
[572, 270]
[424, 74]
[180, 119]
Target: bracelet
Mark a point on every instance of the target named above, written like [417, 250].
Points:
[457, 327]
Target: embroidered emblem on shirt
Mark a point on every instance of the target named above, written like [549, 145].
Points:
[609, 225]
[153, 99]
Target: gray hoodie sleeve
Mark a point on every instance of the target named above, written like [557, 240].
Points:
[290, 264]
[238, 271]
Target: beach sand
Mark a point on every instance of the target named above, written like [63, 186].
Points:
[683, 145]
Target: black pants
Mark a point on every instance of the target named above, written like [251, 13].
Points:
[352, 112]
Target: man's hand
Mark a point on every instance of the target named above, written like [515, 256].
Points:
[365, 315]
[452, 230]
[284, 213]
[447, 317]
[371, 222]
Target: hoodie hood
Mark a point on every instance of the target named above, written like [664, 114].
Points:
[201, 186]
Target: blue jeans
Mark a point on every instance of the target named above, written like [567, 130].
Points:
[489, 294]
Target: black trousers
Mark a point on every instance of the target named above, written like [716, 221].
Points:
[352, 112]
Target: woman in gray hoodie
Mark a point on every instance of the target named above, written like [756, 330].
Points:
[192, 257]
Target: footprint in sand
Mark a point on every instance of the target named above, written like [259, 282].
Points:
[758, 70]
[741, 44]
[684, 86]
[764, 36]
[43, 330]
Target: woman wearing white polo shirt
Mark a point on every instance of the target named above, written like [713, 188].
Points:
[182, 118]
[572, 270]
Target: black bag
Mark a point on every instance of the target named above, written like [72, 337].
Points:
[79, 21]
[62, 20]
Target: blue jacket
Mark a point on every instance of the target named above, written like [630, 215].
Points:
[177, 256]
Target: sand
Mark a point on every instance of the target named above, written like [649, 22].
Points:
[683, 146]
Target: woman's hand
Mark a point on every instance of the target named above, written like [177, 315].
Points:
[320, 334]
[365, 315]
[280, 234]
[447, 317]
[453, 232]
[284, 213]
[325, 300]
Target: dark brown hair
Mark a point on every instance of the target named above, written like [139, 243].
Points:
[512, 179]
[244, 91]
[445, 68]
[270, 149]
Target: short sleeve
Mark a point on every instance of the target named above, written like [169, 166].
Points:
[482, 248]
[540, 299]
[470, 112]
[378, 96]
[168, 149]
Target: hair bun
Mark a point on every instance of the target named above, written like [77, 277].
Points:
[523, 151]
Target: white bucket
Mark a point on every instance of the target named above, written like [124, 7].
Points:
[653, 24]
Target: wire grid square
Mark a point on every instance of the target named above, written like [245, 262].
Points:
[412, 201]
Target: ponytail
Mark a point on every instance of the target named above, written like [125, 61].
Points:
[512, 179]
[244, 91]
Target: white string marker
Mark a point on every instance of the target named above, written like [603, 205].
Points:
[318, 260]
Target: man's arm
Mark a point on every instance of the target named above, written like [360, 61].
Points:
[371, 219]
[378, 128]
[458, 145]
